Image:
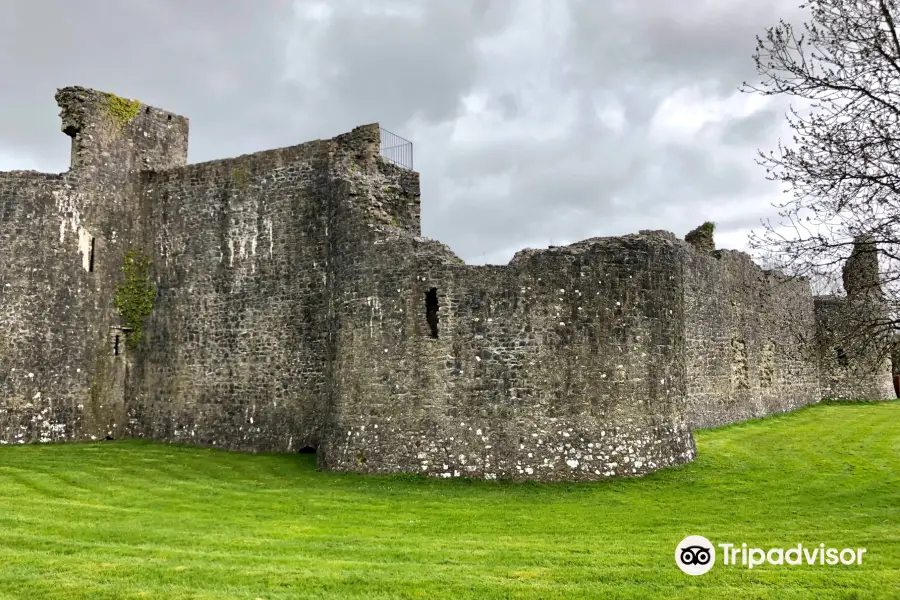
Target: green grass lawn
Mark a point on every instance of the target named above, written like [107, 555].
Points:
[124, 520]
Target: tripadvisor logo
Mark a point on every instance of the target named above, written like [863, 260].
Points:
[696, 555]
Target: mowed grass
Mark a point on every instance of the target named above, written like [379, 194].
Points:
[123, 520]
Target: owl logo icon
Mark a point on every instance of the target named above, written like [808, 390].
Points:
[695, 555]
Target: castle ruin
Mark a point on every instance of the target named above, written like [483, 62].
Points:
[291, 303]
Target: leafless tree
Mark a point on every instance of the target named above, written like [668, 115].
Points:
[842, 171]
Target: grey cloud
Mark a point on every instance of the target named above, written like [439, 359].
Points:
[670, 42]
[392, 67]
[758, 128]
[604, 185]
[507, 105]
[251, 76]
[167, 53]
[708, 174]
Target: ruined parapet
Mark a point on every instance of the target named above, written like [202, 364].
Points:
[701, 238]
[388, 195]
[362, 144]
[114, 136]
[860, 273]
[854, 350]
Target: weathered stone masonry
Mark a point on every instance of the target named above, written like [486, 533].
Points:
[563, 364]
[296, 306]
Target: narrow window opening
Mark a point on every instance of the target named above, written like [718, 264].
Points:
[91, 258]
[116, 346]
[842, 358]
[431, 310]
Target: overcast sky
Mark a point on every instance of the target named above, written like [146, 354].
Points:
[534, 121]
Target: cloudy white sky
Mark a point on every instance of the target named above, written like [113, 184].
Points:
[534, 121]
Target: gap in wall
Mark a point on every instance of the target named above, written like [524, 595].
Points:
[431, 309]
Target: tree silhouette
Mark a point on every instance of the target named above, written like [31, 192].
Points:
[842, 169]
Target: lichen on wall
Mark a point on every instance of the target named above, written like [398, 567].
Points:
[68, 207]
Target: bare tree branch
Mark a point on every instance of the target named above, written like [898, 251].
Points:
[841, 169]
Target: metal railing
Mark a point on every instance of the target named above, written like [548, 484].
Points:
[396, 150]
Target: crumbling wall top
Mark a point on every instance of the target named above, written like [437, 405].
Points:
[701, 237]
[860, 272]
[114, 134]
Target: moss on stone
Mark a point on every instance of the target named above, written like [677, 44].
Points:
[121, 110]
[134, 296]
[241, 177]
[701, 238]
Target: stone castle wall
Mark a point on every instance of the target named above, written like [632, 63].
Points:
[237, 348]
[52, 326]
[63, 237]
[750, 347]
[234, 350]
[848, 369]
[296, 305]
[563, 365]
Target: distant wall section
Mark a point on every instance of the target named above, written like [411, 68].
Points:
[849, 368]
[750, 348]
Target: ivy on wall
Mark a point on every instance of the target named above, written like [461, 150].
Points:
[135, 295]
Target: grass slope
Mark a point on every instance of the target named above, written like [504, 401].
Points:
[127, 520]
